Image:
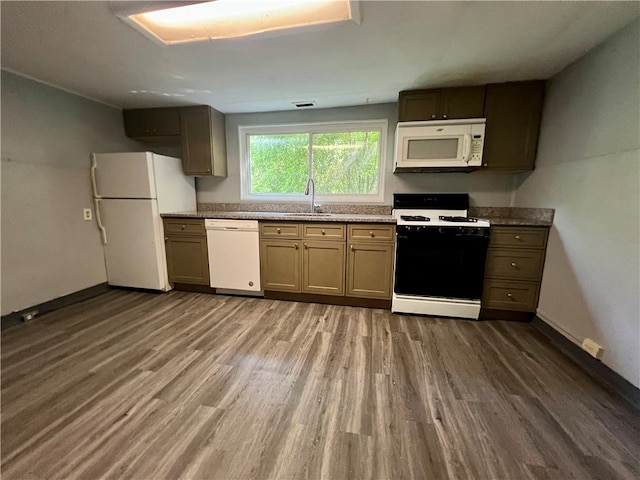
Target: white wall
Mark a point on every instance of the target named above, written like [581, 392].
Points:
[484, 189]
[587, 169]
[48, 250]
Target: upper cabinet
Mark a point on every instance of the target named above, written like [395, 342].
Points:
[513, 112]
[199, 129]
[204, 148]
[441, 104]
[144, 123]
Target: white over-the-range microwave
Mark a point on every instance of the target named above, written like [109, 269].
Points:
[439, 145]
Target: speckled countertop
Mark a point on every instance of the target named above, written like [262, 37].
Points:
[282, 216]
[500, 216]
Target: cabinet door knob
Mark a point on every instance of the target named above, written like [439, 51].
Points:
[514, 265]
[208, 170]
[306, 247]
[183, 227]
[517, 237]
[278, 230]
[166, 239]
[509, 295]
[296, 246]
[352, 249]
[323, 232]
[434, 116]
[444, 117]
[372, 234]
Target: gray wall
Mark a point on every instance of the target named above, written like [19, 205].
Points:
[48, 250]
[587, 169]
[485, 189]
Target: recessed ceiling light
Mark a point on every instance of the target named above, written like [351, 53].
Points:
[239, 18]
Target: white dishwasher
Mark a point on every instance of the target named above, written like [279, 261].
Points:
[234, 254]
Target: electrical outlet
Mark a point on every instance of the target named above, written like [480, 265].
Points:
[26, 316]
[87, 215]
[592, 348]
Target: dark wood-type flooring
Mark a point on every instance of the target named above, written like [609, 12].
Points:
[132, 385]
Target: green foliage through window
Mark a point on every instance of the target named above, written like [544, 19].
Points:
[341, 163]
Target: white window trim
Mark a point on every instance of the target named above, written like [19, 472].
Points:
[319, 127]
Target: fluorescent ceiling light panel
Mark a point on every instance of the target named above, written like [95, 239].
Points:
[239, 18]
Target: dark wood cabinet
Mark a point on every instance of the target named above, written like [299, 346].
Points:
[204, 151]
[441, 104]
[186, 251]
[148, 123]
[513, 273]
[199, 130]
[513, 112]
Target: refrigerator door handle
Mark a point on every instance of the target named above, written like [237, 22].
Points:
[103, 231]
[94, 183]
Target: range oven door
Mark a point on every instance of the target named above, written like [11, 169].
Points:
[445, 262]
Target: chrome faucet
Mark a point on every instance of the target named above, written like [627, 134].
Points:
[311, 187]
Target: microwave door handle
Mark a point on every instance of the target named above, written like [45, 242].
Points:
[466, 147]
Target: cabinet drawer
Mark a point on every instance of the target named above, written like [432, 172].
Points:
[506, 295]
[372, 232]
[530, 237]
[517, 264]
[333, 231]
[279, 230]
[184, 226]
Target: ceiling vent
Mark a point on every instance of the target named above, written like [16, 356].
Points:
[305, 104]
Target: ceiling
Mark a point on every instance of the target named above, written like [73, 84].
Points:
[83, 47]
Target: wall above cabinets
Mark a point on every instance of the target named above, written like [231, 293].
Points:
[513, 111]
[200, 130]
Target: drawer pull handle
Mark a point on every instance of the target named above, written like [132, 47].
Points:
[296, 245]
[183, 227]
[278, 230]
[306, 247]
[514, 265]
[517, 237]
[509, 295]
[323, 232]
[372, 234]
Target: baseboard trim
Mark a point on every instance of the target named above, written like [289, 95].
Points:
[593, 367]
[15, 318]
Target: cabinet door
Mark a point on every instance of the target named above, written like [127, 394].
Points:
[513, 112]
[151, 122]
[418, 105]
[369, 270]
[280, 265]
[463, 102]
[187, 259]
[323, 267]
[203, 141]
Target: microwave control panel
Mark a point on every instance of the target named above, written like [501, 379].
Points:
[476, 148]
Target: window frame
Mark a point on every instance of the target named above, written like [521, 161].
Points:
[244, 131]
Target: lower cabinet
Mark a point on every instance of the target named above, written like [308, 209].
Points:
[370, 270]
[317, 260]
[186, 250]
[513, 273]
[323, 267]
[280, 265]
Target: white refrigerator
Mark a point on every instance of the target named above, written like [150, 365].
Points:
[130, 191]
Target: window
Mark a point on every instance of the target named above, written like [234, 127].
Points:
[345, 160]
